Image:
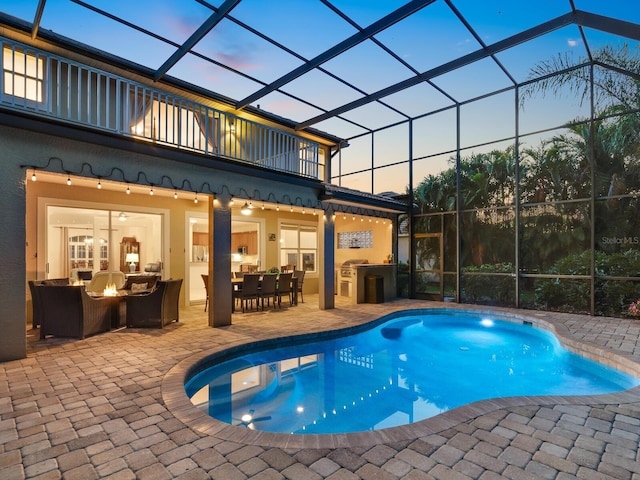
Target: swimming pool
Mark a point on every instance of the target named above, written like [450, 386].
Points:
[404, 368]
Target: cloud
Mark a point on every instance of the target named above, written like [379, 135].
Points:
[239, 62]
[572, 43]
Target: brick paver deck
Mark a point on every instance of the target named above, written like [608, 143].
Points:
[107, 407]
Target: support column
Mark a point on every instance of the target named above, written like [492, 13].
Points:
[326, 280]
[13, 341]
[220, 288]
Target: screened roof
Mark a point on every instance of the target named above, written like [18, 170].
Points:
[342, 66]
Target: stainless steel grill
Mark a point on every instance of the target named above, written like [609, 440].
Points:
[346, 270]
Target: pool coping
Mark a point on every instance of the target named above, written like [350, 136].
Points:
[179, 404]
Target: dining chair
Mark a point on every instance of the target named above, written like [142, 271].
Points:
[284, 287]
[205, 279]
[268, 289]
[299, 275]
[249, 292]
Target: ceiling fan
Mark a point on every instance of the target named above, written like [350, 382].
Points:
[248, 420]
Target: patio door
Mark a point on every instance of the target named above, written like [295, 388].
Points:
[429, 280]
[81, 241]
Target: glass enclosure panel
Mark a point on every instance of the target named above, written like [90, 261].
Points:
[435, 187]
[554, 102]
[391, 145]
[555, 239]
[618, 228]
[356, 157]
[487, 176]
[556, 294]
[358, 181]
[428, 264]
[556, 167]
[394, 178]
[488, 288]
[488, 240]
[488, 119]
[435, 134]
[613, 297]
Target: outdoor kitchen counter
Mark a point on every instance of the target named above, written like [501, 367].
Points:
[386, 270]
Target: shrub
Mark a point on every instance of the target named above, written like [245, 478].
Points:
[489, 289]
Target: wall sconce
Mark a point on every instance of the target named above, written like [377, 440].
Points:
[122, 217]
[232, 125]
[132, 259]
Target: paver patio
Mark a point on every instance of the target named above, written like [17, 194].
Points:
[95, 408]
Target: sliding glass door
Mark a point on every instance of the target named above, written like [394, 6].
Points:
[82, 241]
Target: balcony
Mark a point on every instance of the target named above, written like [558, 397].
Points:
[49, 86]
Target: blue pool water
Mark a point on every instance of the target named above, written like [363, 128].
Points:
[409, 368]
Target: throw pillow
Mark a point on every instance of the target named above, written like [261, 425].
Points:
[138, 287]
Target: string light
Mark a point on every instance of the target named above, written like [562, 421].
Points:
[176, 195]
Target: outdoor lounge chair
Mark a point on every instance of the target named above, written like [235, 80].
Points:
[36, 306]
[68, 311]
[155, 309]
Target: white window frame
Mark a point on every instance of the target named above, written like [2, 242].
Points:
[26, 82]
[298, 225]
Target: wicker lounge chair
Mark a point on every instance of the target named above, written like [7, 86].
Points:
[155, 309]
[35, 297]
[68, 311]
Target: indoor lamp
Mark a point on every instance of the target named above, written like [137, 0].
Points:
[132, 259]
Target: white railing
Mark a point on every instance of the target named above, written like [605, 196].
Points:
[47, 85]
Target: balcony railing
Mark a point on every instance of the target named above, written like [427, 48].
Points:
[48, 85]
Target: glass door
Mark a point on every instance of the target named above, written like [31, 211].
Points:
[83, 241]
[429, 280]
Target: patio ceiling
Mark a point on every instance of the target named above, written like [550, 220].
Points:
[341, 66]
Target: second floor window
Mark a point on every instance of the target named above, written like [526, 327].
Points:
[23, 74]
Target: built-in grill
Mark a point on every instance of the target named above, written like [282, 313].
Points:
[346, 269]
